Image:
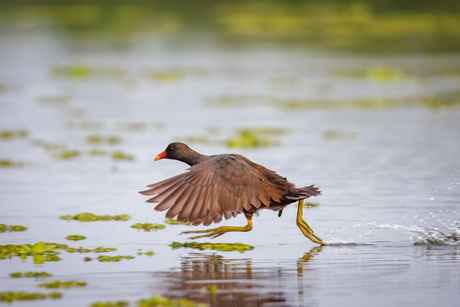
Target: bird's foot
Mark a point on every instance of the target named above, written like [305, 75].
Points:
[216, 232]
[306, 230]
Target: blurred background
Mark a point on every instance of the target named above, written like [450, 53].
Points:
[360, 98]
[347, 26]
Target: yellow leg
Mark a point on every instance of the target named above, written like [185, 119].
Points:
[306, 230]
[216, 232]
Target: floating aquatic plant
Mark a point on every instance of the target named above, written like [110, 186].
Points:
[6, 163]
[148, 226]
[90, 217]
[65, 154]
[30, 274]
[27, 296]
[88, 250]
[378, 73]
[75, 237]
[9, 163]
[96, 152]
[4, 228]
[120, 155]
[40, 251]
[85, 125]
[166, 76]
[62, 284]
[105, 258]
[13, 134]
[148, 253]
[154, 301]
[225, 247]
[175, 222]
[82, 72]
[110, 304]
[251, 138]
[98, 139]
[57, 151]
[158, 300]
[338, 135]
[431, 102]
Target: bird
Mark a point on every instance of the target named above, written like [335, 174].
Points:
[224, 185]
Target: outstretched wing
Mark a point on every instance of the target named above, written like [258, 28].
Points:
[220, 187]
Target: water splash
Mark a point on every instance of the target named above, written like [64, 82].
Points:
[432, 235]
[429, 235]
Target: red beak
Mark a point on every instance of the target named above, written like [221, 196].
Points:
[161, 156]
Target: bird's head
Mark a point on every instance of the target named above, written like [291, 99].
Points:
[174, 151]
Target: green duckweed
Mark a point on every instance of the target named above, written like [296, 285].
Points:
[105, 258]
[224, 247]
[9, 163]
[250, 138]
[40, 251]
[58, 151]
[83, 72]
[62, 284]
[98, 139]
[13, 134]
[88, 250]
[9, 297]
[154, 301]
[120, 155]
[175, 222]
[338, 135]
[5, 228]
[30, 274]
[75, 237]
[148, 253]
[110, 304]
[65, 154]
[148, 226]
[90, 217]
[158, 300]
[121, 217]
[6, 163]
[167, 76]
[430, 102]
[96, 152]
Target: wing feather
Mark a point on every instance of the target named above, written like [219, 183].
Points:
[223, 186]
[179, 203]
[188, 205]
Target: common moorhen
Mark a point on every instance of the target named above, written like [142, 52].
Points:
[224, 186]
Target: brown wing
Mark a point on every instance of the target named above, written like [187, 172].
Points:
[220, 187]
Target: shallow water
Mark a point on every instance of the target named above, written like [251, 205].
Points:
[389, 174]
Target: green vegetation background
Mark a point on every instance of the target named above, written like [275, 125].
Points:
[357, 26]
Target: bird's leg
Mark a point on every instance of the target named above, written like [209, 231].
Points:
[216, 232]
[306, 230]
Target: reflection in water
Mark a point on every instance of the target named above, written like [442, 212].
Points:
[300, 266]
[218, 281]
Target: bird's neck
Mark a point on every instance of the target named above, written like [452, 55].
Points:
[194, 158]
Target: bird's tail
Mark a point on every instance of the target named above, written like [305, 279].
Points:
[302, 193]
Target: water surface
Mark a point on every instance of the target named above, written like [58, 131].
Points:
[378, 134]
